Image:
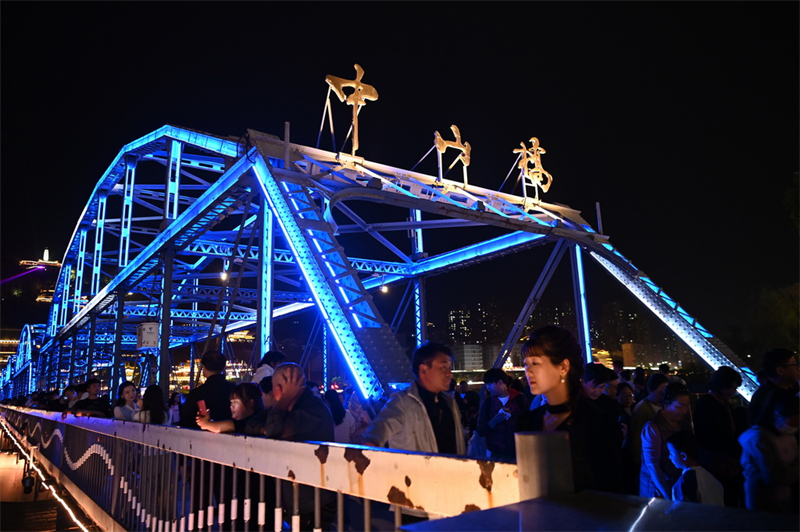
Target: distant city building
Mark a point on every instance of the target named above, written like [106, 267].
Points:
[459, 326]
[469, 357]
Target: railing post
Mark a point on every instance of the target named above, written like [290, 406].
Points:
[544, 464]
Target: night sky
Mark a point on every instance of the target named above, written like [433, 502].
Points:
[680, 118]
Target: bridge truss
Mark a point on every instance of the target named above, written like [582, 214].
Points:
[207, 235]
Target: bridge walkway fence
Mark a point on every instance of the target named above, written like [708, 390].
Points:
[133, 476]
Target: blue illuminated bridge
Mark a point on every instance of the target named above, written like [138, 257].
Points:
[188, 237]
[203, 236]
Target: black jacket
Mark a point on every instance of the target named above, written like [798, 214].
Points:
[595, 444]
[309, 420]
[216, 392]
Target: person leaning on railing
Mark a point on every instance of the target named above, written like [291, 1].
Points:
[299, 416]
[246, 402]
[93, 405]
[152, 408]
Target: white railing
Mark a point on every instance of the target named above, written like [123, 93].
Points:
[144, 476]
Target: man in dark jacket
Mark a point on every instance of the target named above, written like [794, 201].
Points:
[215, 392]
[497, 419]
[299, 415]
[94, 405]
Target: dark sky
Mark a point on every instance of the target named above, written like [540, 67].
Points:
[680, 118]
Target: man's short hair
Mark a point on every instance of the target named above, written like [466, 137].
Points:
[214, 361]
[655, 380]
[773, 359]
[266, 384]
[90, 382]
[285, 367]
[626, 374]
[598, 373]
[685, 442]
[70, 388]
[494, 375]
[426, 353]
[617, 362]
[724, 378]
[664, 368]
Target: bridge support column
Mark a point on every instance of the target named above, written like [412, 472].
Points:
[117, 370]
[97, 257]
[92, 332]
[173, 180]
[417, 252]
[579, 290]
[65, 307]
[264, 309]
[79, 265]
[127, 209]
[164, 366]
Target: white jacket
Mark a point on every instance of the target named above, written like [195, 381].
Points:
[404, 424]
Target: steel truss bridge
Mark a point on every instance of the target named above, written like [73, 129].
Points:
[286, 225]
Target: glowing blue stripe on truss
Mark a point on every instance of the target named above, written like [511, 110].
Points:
[79, 265]
[474, 251]
[582, 301]
[688, 330]
[98, 246]
[320, 251]
[127, 212]
[173, 179]
[331, 312]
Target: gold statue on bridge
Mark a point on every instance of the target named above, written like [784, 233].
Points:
[362, 92]
[530, 163]
[442, 145]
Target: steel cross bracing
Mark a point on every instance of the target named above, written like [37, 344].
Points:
[131, 220]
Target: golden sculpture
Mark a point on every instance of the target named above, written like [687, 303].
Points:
[442, 145]
[532, 172]
[361, 93]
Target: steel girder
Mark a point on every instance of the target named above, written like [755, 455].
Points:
[301, 194]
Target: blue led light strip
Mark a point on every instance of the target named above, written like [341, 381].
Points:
[98, 246]
[580, 302]
[330, 308]
[697, 340]
[80, 264]
[127, 211]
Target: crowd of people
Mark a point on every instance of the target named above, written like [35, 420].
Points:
[629, 432]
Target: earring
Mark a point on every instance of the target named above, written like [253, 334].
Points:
[563, 380]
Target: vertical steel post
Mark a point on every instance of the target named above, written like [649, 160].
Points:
[579, 290]
[192, 355]
[65, 307]
[71, 369]
[80, 263]
[417, 252]
[326, 353]
[164, 367]
[127, 209]
[92, 332]
[117, 372]
[97, 258]
[264, 309]
[173, 180]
